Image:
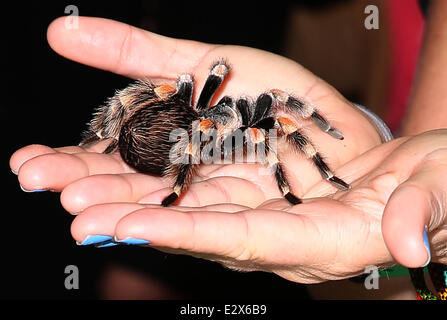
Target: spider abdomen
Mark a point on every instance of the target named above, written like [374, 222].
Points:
[144, 141]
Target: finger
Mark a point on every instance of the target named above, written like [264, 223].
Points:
[102, 219]
[417, 204]
[392, 164]
[404, 220]
[356, 169]
[208, 232]
[109, 188]
[215, 191]
[123, 49]
[97, 147]
[53, 171]
[251, 185]
[26, 153]
[136, 187]
[264, 236]
[410, 154]
[259, 239]
[241, 238]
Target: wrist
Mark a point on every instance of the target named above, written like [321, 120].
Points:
[379, 124]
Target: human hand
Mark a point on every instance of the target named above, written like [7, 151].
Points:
[137, 53]
[398, 189]
[89, 179]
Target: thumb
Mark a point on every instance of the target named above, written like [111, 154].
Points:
[403, 225]
[417, 204]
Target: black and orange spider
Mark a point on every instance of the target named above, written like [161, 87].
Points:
[142, 117]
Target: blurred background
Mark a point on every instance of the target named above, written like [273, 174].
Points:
[50, 99]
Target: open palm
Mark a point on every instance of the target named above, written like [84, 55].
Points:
[231, 213]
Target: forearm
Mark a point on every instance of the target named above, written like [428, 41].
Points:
[428, 101]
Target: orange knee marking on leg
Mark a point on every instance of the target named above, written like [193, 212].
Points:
[255, 132]
[256, 135]
[280, 95]
[287, 125]
[276, 91]
[205, 125]
[164, 91]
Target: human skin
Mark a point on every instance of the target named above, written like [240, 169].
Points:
[232, 214]
[427, 107]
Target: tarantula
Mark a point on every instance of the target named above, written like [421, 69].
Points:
[141, 118]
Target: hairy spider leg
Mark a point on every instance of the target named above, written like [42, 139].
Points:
[261, 121]
[257, 136]
[244, 107]
[227, 121]
[164, 91]
[302, 144]
[280, 177]
[305, 110]
[263, 105]
[223, 114]
[215, 78]
[185, 86]
[89, 137]
[111, 147]
[185, 173]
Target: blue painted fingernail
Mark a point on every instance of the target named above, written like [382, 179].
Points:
[427, 247]
[35, 190]
[94, 239]
[133, 241]
[107, 244]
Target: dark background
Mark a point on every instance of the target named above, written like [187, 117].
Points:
[49, 100]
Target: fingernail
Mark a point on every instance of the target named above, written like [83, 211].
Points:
[107, 244]
[427, 247]
[35, 190]
[14, 172]
[132, 241]
[94, 239]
